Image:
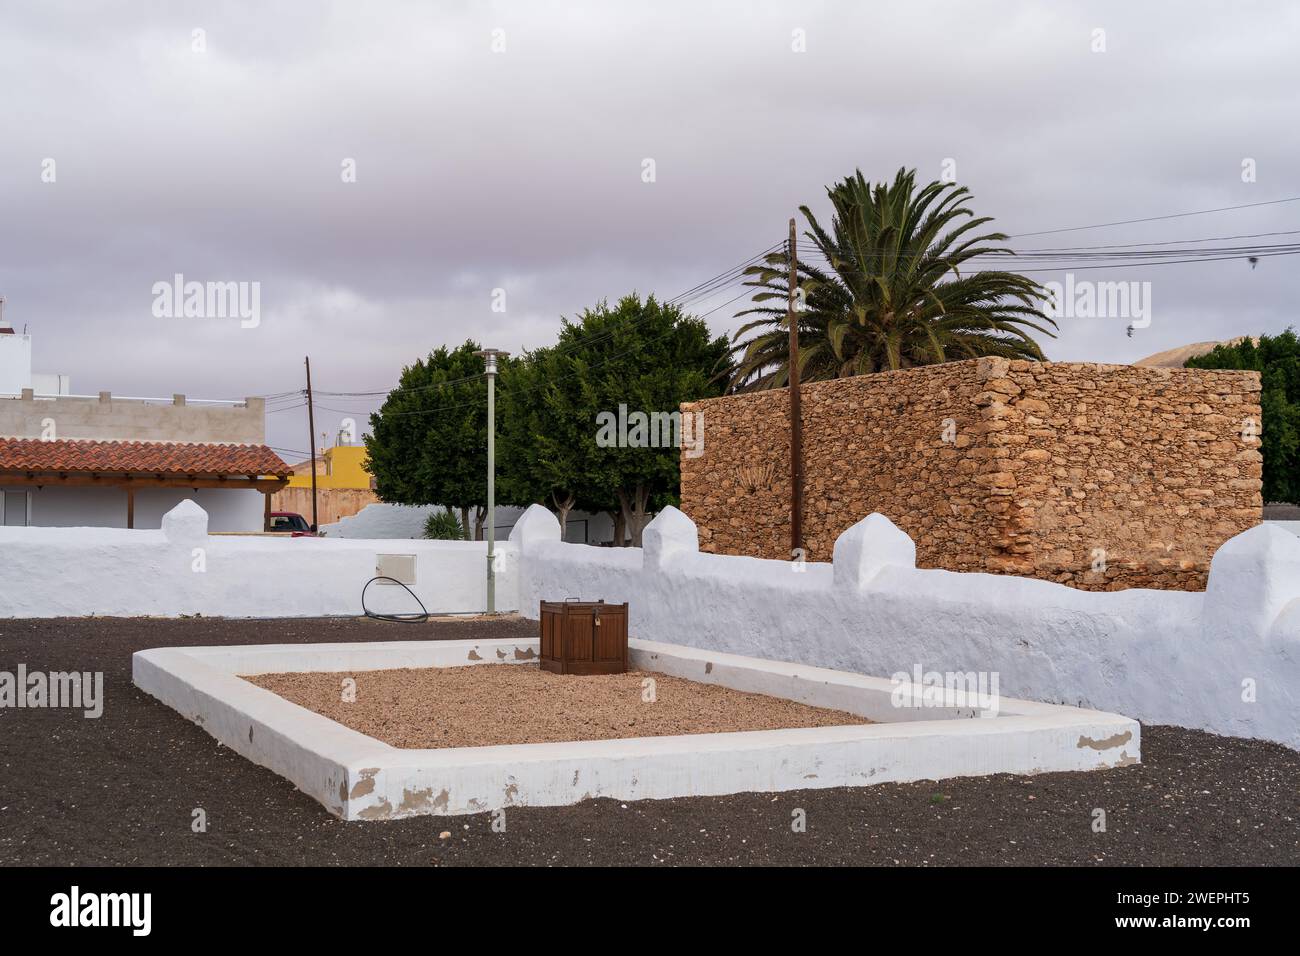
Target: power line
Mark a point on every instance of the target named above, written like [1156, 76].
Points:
[737, 273]
[288, 451]
[1167, 242]
[341, 411]
[1175, 215]
[597, 364]
[723, 280]
[696, 293]
[1122, 250]
[1115, 260]
[1164, 262]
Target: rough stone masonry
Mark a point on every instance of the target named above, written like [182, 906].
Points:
[1098, 476]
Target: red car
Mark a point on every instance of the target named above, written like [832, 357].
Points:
[291, 523]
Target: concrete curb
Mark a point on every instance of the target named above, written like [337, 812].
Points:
[359, 778]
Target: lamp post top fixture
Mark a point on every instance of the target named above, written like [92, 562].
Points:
[489, 357]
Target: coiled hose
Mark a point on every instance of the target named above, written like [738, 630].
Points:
[413, 618]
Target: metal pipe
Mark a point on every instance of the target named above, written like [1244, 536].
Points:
[489, 357]
[492, 502]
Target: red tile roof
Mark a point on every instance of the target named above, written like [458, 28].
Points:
[138, 457]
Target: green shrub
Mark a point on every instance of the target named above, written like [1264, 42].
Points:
[443, 526]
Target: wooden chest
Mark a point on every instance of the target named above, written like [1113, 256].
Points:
[584, 637]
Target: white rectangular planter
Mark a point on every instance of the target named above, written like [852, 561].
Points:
[359, 778]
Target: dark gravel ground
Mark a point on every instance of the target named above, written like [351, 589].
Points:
[123, 790]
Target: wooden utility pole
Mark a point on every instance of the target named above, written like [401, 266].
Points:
[796, 414]
[311, 430]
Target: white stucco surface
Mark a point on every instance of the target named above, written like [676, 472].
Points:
[358, 777]
[235, 509]
[1226, 661]
[383, 520]
[181, 569]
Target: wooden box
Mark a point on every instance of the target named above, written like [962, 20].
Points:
[584, 637]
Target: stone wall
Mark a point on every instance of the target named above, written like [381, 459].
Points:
[1099, 476]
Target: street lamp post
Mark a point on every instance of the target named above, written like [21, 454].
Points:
[489, 357]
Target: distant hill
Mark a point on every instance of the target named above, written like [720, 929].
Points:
[1175, 358]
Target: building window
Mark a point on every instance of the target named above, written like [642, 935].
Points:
[15, 509]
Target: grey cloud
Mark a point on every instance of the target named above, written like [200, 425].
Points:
[522, 170]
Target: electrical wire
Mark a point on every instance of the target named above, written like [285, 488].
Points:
[1113, 261]
[479, 403]
[1167, 242]
[1175, 215]
[696, 293]
[723, 280]
[412, 618]
[735, 273]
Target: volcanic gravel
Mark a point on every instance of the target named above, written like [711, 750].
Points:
[487, 704]
[122, 789]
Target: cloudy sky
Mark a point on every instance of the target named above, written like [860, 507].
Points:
[502, 146]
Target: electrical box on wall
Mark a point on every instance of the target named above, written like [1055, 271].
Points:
[399, 567]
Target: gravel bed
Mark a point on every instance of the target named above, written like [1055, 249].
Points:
[488, 704]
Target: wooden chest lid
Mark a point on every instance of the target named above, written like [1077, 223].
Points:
[600, 606]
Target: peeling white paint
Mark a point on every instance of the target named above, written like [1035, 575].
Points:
[381, 782]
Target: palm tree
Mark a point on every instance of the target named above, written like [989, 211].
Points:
[886, 290]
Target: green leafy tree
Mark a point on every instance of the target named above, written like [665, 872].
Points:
[428, 442]
[540, 453]
[893, 284]
[1277, 359]
[642, 356]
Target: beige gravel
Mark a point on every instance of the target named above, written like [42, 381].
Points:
[489, 704]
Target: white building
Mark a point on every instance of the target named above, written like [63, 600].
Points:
[105, 461]
[16, 365]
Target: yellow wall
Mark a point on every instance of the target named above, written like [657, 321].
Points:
[344, 467]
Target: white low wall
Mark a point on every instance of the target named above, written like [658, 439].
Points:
[359, 778]
[382, 520]
[1227, 660]
[181, 569]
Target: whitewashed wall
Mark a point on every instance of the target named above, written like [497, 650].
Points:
[181, 569]
[382, 520]
[1161, 656]
[229, 509]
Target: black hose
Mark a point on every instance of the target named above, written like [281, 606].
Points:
[412, 618]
